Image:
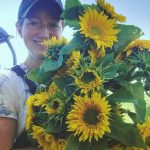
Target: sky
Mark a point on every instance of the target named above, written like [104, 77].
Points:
[136, 11]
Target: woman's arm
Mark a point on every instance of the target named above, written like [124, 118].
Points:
[7, 133]
[10, 86]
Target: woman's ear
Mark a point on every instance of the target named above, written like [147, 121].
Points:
[19, 29]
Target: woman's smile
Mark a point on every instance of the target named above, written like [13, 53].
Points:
[39, 45]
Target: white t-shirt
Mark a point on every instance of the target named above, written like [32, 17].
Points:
[13, 95]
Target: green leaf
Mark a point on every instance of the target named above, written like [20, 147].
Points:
[73, 9]
[34, 75]
[61, 82]
[49, 65]
[84, 146]
[73, 143]
[125, 133]
[65, 83]
[110, 72]
[99, 145]
[72, 23]
[107, 60]
[39, 116]
[127, 34]
[122, 95]
[69, 48]
[137, 75]
[77, 43]
[132, 93]
[39, 76]
[147, 112]
[136, 89]
[92, 6]
[133, 116]
[123, 70]
[52, 127]
[140, 109]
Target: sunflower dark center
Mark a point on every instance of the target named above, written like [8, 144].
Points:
[91, 116]
[88, 77]
[55, 105]
[95, 31]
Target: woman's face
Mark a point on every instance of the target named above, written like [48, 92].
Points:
[37, 27]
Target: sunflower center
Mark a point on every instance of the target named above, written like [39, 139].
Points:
[88, 77]
[55, 104]
[95, 31]
[91, 116]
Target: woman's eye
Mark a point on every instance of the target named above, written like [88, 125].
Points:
[35, 23]
[54, 26]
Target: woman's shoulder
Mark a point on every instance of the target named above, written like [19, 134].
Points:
[6, 73]
[6, 89]
[7, 76]
[10, 81]
[12, 93]
[12, 84]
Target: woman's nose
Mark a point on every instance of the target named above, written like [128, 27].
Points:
[44, 33]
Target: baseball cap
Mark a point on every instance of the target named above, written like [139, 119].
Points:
[27, 5]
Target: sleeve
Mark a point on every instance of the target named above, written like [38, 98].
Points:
[7, 96]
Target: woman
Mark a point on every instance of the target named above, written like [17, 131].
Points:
[37, 20]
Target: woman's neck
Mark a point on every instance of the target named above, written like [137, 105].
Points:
[32, 63]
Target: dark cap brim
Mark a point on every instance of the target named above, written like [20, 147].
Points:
[35, 2]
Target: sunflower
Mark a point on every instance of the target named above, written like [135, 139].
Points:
[41, 99]
[119, 57]
[133, 47]
[89, 117]
[55, 106]
[144, 129]
[52, 89]
[34, 100]
[61, 144]
[54, 42]
[71, 64]
[30, 115]
[96, 54]
[98, 27]
[137, 44]
[110, 11]
[45, 140]
[88, 80]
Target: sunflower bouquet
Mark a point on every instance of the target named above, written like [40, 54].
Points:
[94, 91]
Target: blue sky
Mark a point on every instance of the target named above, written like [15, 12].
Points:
[136, 11]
